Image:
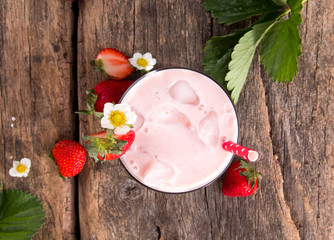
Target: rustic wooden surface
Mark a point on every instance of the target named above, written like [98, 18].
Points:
[45, 49]
[38, 89]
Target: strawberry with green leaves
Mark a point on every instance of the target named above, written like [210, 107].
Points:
[113, 64]
[70, 156]
[118, 138]
[241, 180]
[106, 145]
[103, 92]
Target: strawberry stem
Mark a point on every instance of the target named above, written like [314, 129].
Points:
[98, 66]
[98, 147]
[84, 112]
[253, 177]
[91, 98]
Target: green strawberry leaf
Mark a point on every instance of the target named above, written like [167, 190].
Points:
[21, 215]
[228, 12]
[97, 145]
[99, 67]
[110, 134]
[218, 50]
[99, 115]
[280, 2]
[91, 99]
[250, 173]
[121, 144]
[281, 46]
[115, 151]
[85, 112]
[242, 57]
[217, 56]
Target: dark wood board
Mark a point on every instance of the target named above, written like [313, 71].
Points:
[38, 89]
[290, 124]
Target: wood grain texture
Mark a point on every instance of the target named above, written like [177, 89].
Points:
[37, 88]
[302, 119]
[290, 124]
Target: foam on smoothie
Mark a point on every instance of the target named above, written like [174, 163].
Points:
[182, 117]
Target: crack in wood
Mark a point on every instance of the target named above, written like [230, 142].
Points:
[279, 176]
[158, 232]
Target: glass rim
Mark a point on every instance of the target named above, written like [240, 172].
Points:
[238, 129]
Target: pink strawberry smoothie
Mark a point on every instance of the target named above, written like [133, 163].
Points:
[182, 118]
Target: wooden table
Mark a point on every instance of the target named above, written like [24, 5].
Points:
[45, 50]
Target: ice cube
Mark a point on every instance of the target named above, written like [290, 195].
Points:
[228, 121]
[182, 92]
[140, 119]
[134, 166]
[158, 172]
[208, 129]
[228, 108]
[139, 122]
[168, 115]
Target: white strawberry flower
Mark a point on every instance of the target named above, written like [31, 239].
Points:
[118, 117]
[143, 62]
[20, 168]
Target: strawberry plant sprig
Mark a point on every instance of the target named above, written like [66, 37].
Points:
[227, 58]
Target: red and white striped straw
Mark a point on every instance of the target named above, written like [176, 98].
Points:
[241, 151]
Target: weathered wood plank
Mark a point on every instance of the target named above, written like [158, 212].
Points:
[114, 206]
[301, 114]
[290, 124]
[37, 88]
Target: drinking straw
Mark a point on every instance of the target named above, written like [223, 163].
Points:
[241, 151]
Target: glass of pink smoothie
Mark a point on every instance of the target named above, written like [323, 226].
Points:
[183, 115]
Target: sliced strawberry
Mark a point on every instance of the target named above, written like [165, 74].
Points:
[129, 138]
[102, 146]
[102, 134]
[103, 92]
[113, 64]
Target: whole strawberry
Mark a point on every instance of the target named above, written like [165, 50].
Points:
[103, 92]
[70, 157]
[107, 146]
[241, 180]
[110, 91]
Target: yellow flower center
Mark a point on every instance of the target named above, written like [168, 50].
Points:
[117, 118]
[21, 168]
[142, 62]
